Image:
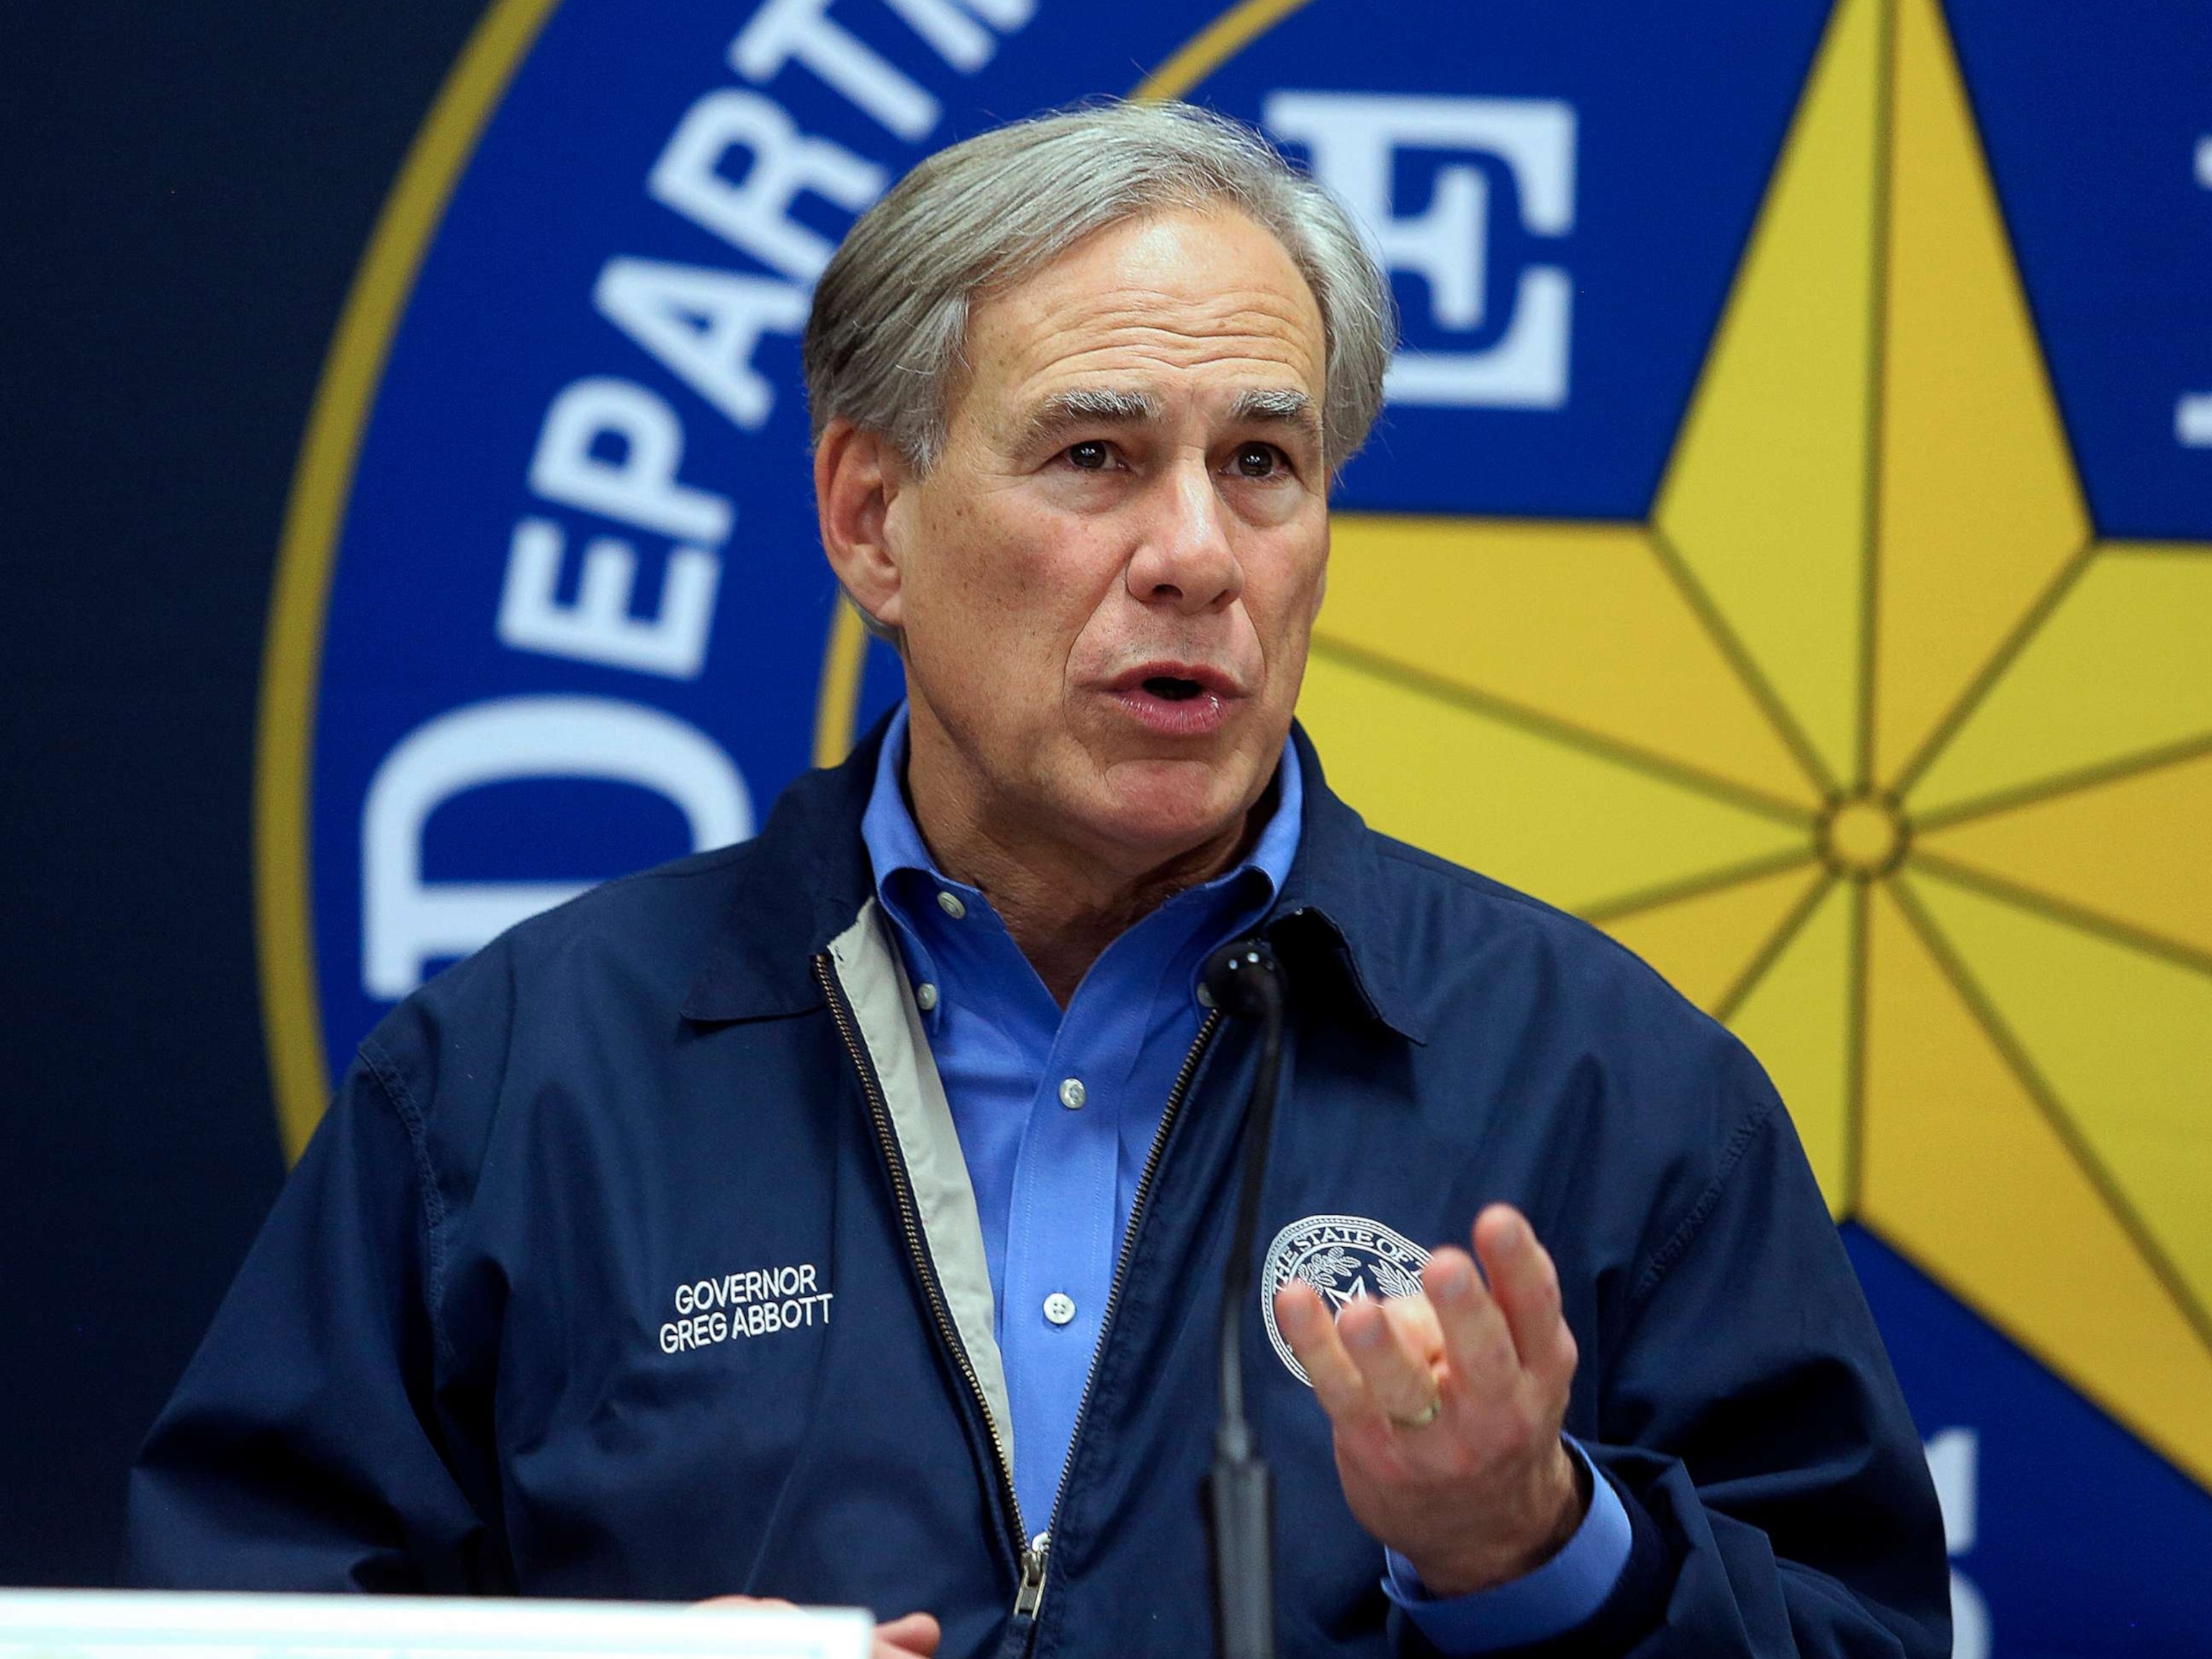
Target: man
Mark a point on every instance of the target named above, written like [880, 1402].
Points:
[841, 1217]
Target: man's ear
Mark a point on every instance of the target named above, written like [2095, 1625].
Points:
[856, 474]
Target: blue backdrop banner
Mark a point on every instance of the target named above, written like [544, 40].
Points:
[1788, 543]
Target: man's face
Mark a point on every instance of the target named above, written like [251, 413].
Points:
[1109, 580]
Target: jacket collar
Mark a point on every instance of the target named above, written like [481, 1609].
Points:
[807, 876]
[1334, 919]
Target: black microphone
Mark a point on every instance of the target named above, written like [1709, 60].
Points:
[1244, 979]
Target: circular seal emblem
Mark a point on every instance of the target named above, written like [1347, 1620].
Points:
[1344, 1257]
[551, 606]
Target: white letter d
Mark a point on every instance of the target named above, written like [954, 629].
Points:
[407, 922]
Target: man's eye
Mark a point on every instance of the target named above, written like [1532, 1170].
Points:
[1257, 460]
[1091, 455]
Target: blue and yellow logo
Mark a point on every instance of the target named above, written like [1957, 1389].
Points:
[1868, 738]
[1788, 544]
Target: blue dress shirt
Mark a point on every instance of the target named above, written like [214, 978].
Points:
[1056, 1114]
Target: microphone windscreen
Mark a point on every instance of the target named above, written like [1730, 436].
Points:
[1243, 978]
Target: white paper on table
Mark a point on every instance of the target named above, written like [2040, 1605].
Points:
[161, 1624]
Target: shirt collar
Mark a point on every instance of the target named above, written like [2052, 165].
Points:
[894, 843]
[800, 884]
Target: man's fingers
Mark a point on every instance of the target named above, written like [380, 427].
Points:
[1401, 1377]
[1478, 1347]
[1418, 1326]
[1525, 1286]
[914, 1637]
[1303, 1320]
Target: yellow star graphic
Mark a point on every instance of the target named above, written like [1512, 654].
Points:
[1867, 741]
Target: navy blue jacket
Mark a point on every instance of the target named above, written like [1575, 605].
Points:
[629, 1261]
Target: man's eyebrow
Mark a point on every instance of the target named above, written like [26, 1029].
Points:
[1280, 405]
[1086, 404]
[1285, 404]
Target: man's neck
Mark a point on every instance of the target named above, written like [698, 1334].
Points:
[1063, 903]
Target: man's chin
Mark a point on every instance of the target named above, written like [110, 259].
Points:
[1161, 809]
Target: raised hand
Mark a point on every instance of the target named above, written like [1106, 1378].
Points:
[1447, 1408]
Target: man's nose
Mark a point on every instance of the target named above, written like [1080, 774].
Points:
[1186, 559]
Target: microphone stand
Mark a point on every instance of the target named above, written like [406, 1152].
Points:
[1243, 979]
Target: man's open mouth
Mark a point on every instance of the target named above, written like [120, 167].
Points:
[1174, 689]
[1193, 703]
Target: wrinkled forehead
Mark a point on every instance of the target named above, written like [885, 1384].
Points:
[1166, 308]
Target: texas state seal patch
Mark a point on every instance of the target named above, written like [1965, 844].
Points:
[1344, 1257]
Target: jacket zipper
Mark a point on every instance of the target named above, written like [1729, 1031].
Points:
[1168, 1117]
[1030, 1596]
[1029, 1554]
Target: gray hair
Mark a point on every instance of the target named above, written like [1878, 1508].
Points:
[886, 339]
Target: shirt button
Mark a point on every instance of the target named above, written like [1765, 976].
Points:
[1072, 1094]
[1059, 1308]
[925, 994]
[951, 905]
